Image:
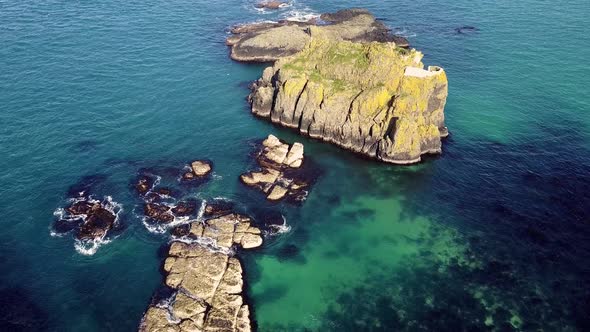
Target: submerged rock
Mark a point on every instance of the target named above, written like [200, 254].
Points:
[218, 208]
[280, 175]
[158, 212]
[372, 98]
[185, 208]
[465, 28]
[265, 42]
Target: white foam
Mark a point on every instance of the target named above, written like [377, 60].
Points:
[278, 229]
[201, 211]
[154, 185]
[300, 15]
[60, 213]
[161, 228]
[53, 233]
[167, 305]
[90, 247]
[404, 32]
[205, 242]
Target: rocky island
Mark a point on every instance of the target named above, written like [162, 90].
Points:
[348, 82]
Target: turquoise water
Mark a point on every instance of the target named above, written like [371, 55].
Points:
[492, 235]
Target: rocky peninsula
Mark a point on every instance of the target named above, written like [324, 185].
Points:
[205, 278]
[351, 83]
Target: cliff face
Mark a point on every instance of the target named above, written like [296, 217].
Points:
[372, 98]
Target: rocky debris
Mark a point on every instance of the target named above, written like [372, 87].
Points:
[158, 212]
[271, 4]
[375, 98]
[218, 208]
[144, 184]
[267, 42]
[280, 175]
[165, 213]
[185, 208]
[207, 281]
[89, 218]
[188, 176]
[164, 192]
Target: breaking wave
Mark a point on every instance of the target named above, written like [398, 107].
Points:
[90, 247]
[205, 242]
[300, 15]
[278, 229]
[161, 228]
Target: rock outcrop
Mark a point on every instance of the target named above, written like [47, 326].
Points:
[280, 174]
[266, 42]
[199, 169]
[372, 98]
[90, 219]
[206, 279]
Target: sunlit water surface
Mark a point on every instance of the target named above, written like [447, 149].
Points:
[492, 235]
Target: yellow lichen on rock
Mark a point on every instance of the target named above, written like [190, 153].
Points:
[373, 98]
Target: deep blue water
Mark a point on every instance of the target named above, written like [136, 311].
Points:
[492, 235]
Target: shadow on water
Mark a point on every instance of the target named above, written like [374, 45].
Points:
[18, 312]
[525, 209]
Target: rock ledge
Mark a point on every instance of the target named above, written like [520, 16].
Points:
[206, 280]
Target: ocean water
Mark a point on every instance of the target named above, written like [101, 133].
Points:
[493, 235]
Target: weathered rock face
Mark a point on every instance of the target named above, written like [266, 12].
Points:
[372, 98]
[207, 280]
[266, 42]
[280, 175]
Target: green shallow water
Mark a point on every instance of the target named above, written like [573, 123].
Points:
[364, 237]
[491, 236]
